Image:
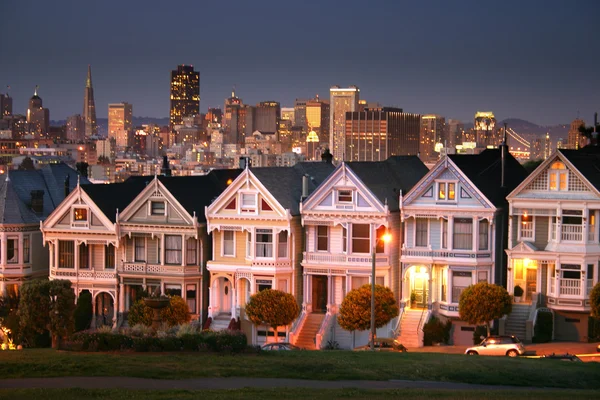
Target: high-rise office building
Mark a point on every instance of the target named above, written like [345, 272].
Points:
[300, 114]
[287, 114]
[120, 124]
[38, 117]
[547, 146]
[575, 140]
[214, 115]
[89, 106]
[317, 119]
[432, 133]
[454, 133]
[232, 121]
[266, 116]
[5, 105]
[342, 100]
[185, 94]
[375, 135]
[484, 127]
[75, 130]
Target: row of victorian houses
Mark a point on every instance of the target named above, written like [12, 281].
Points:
[311, 230]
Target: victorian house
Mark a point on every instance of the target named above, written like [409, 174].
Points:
[455, 224]
[257, 240]
[26, 198]
[146, 234]
[344, 220]
[554, 248]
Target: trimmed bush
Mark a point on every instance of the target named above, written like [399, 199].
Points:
[139, 313]
[102, 341]
[83, 312]
[177, 312]
[542, 331]
[593, 329]
[435, 331]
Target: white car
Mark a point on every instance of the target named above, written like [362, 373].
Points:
[498, 346]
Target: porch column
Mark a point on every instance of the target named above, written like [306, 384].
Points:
[430, 287]
[210, 301]
[510, 228]
[115, 313]
[233, 292]
[162, 249]
[51, 255]
[162, 288]
[2, 288]
[121, 297]
[475, 233]
[76, 255]
[93, 325]
[56, 251]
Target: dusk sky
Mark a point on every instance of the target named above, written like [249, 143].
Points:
[538, 60]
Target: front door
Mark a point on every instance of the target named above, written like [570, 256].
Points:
[319, 293]
[226, 297]
[531, 279]
[420, 289]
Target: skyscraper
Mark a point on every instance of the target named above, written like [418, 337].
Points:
[38, 116]
[484, 127]
[185, 94]
[120, 125]
[266, 116]
[575, 140]
[75, 128]
[317, 118]
[5, 105]
[89, 107]
[300, 114]
[432, 132]
[376, 134]
[341, 101]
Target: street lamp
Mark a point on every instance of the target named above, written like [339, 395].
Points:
[385, 238]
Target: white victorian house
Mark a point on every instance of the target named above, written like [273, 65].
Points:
[257, 241]
[454, 220]
[554, 247]
[344, 220]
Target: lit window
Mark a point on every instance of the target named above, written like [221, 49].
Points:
[447, 191]
[558, 176]
[80, 214]
[526, 227]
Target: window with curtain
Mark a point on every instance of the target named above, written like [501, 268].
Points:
[361, 238]
[322, 238]
[26, 249]
[173, 249]
[109, 256]
[460, 281]
[444, 233]
[463, 234]
[380, 247]
[264, 243]
[12, 250]
[191, 251]
[344, 239]
[282, 249]
[248, 244]
[66, 254]
[190, 297]
[140, 249]
[228, 243]
[421, 232]
[483, 234]
[84, 256]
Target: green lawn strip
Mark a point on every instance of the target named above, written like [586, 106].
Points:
[293, 393]
[334, 365]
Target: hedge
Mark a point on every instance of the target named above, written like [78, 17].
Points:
[222, 341]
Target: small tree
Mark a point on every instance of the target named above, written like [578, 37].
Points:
[272, 307]
[177, 312]
[355, 312]
[84, 311]
[481, 303]
[62, 308]
[595, 301]
[139, 313]
[34, 308]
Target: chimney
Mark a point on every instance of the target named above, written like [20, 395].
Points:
[304, 186]
[67, 190]
[165, 169]
[503, 149]
[37, 201]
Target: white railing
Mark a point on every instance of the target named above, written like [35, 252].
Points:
[321, 336]
[83, 274]
[571, 233]
[569, 287]
[415, 252]
[265, 263]
[337, 259]
[297, 326]
[149, 269]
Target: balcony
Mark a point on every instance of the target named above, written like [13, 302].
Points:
[444, 254]
[141, 268]
[91, 274]
[569, 233]
[344, 259]
[561, 287]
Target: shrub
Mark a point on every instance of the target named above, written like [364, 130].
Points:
[140, 330]
[139, 313]
[518, 291]
[102, 341]
[187, 329]
[593, 329]
[542, 331]
[595, 301]
[355, 312]
[83, 311]
[435, 331]
[177, 312]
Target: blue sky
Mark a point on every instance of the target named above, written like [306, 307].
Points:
[534, 59]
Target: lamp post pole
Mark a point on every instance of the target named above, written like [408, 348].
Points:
[373, 296]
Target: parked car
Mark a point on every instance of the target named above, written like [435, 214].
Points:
[498, 346]
[562, 357]
[284, 346]
[383, 344]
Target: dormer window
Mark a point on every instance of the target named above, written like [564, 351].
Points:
[248, 203]
[157, 208]
[80, 214]
[446, 191]
[344, 196]
[558, 176]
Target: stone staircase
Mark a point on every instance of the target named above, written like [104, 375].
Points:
[220, 322]
[306, 337]
[516, 320]
[408, 328]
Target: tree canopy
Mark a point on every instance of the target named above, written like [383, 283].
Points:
[272, 307]
[595, 301]
[355, 311]
[481, 303]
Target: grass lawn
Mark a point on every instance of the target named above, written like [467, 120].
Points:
[266, 394]
[333, 365]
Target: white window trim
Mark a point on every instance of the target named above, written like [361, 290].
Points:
[18, 250]
[557, 173]
[351, 238]
[489, 234]
[532, 238]
[80, 224]
[445, 183]
[337, 196]
[250, 210]
[428, 232]
[223, 244]
[442, 220]
[287, 256]
[317, 239]
[150, 201]
[273, 244]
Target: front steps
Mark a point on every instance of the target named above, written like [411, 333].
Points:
[516, 320]
[307, 336]
[220, 322]
[408, 328]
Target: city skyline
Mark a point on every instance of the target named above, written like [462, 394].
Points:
[525, 61]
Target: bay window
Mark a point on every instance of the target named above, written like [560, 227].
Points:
[463, 234]
[173, 249]
[526, 227]
[191, 249]
[460, 281]
[140, 249]
[84, 256]
[26, 248]
[380, 246]
[109, 256]
[66, 254]
[282, 244]
[264, 243]
[12, 250]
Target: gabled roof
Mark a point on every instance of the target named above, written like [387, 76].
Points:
[484, 170]
[285, 183]
[587, 162]
[387, 178]
[113, 196]
[15, 194]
